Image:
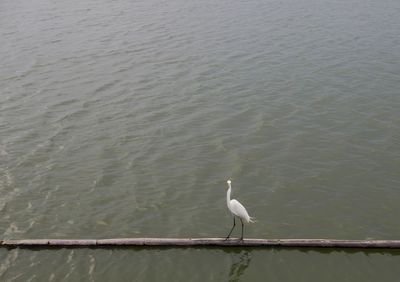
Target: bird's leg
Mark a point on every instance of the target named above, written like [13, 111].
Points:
[234, 223]
[242, 229]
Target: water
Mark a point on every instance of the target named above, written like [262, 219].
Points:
[125, 118]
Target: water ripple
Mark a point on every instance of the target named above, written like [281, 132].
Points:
[120, 118]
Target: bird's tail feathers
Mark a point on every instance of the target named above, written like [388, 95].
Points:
[252, 220]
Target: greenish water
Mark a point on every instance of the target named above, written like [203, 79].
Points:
[125, 119]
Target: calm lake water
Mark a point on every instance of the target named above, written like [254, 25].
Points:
[125, 118]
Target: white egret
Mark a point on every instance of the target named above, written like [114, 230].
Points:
[237, 209]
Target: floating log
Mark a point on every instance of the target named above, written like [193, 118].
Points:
[199, 242]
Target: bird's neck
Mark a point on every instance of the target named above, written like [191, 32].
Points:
[228, 196]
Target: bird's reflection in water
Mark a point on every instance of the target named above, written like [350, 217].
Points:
[240, 261]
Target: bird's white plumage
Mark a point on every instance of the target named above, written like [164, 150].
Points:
[236, 207]
[239, 210]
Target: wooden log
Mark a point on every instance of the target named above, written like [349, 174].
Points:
[200, 242]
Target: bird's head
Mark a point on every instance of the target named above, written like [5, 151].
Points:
[229, 182]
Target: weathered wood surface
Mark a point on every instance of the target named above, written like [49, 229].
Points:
[199, 242]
